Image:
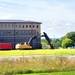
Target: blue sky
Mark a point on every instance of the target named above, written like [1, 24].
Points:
[57, 16]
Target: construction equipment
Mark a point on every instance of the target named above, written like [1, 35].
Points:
[26, 45]
[29, 44]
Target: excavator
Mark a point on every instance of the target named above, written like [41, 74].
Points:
[28, 45]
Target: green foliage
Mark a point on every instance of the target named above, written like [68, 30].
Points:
[71, 35]
[70, 41]
[43, 42]
[56, 43]
[67, 43]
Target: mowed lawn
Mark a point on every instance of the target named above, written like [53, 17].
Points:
[58, 52]
[54, 73]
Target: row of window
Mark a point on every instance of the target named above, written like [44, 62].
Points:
[19, 26]
[17, 32]
[17, 39]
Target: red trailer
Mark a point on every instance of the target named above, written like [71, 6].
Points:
[5, 46]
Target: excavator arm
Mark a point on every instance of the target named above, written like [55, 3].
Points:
[31, 39]
[48, 40]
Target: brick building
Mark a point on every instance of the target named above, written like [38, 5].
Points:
[19, 31]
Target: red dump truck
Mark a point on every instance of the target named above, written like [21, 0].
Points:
[5, 46]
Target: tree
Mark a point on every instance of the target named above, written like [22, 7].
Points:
[67, 43]
[71, 35]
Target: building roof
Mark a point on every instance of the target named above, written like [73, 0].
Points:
[16, 21]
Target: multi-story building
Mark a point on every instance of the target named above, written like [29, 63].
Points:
[19, 31]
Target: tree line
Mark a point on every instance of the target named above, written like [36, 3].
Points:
[66, 41]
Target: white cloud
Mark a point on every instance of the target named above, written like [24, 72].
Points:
[6, 17]
[57, 16]
[58, 28]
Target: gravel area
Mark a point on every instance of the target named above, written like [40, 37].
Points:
[32, 56]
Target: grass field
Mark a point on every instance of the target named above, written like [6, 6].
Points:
[59, 52]
[38, 66]
[44, 65]
[55, 73]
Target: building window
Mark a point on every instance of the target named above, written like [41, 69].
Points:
[26, 26]
[12, 32]
[8, 32]
[16, 32]
[4, 26]
[5, 32]
[1, 39]
[26, 32]
[37, 26]
[9, 39]
[5, 39]
[33, 26]
[16, 39]
[1, 32]
[1, 26]
[19, 26]
[23, 32]
[29, 26]
[12, 26]
[12, 39]
[22, 26]
[19, 32]
[15, 26]
[8, 26]
[29, 32]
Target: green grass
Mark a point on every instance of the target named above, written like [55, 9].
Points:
[60, 52]
[43, 64]
[55, 73]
